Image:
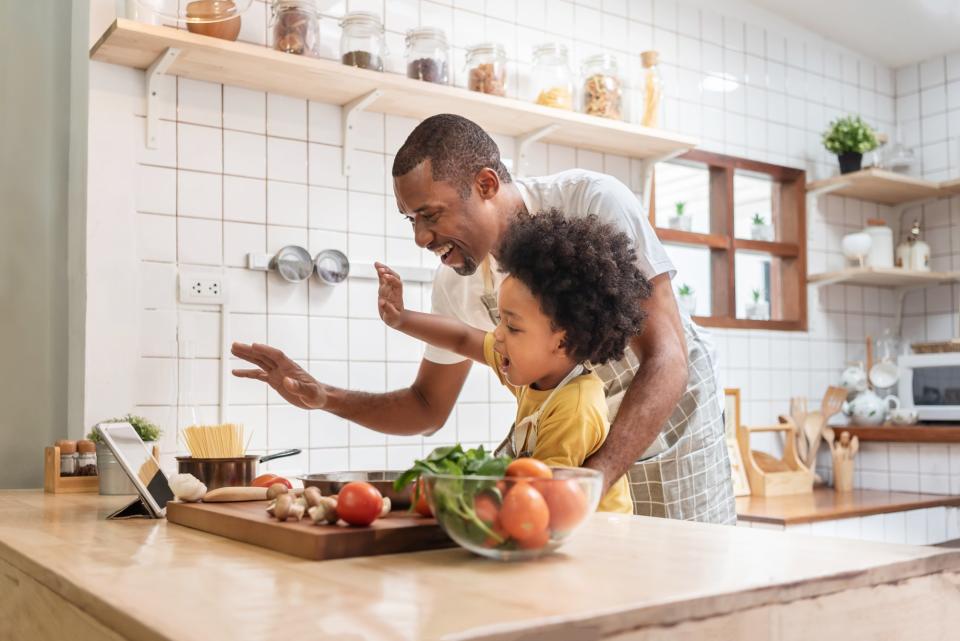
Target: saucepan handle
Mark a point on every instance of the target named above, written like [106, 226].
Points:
[276, 455]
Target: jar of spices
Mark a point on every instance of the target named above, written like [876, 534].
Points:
[487, 69]
[296, 27]
[602, 88]
[68, 457]
[86, 458]
[361, 40]
[552, 79]
[428, 55]
[650, 115]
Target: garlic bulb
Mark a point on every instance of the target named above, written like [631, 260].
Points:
[187, 487]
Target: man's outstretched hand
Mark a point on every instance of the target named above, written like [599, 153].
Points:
[290, 380]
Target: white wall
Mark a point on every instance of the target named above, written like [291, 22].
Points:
[239, 171]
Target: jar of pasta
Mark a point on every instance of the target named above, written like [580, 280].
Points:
[551, 78]
[602, 89]
[487, 69]
[652, 107]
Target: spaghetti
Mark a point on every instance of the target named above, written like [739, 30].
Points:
[215, 441]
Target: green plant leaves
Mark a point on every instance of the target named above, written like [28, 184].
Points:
[849, 134]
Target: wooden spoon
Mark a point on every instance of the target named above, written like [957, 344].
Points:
[813, 430]
[829, 437]
[854, 446]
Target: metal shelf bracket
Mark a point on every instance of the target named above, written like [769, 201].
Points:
[348, 120]
[646, 172]
[153, 73]
[523, 144]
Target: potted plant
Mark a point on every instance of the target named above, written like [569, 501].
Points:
[758, 309]
[760, 230]
[849, 138]
[687, 299]
[680, 220]
[113, 480]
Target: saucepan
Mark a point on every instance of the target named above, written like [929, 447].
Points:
[381, 479]
[227, 472]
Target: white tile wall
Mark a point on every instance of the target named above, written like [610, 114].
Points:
[239, 170]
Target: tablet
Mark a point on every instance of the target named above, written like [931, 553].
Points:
[137, 461]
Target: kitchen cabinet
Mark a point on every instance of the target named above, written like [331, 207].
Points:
[68, 573]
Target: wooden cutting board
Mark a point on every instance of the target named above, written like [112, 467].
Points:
[248, 522]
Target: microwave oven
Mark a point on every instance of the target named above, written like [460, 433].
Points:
[930, 383]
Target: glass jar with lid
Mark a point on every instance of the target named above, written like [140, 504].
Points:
[428, 56]
[487, 68]
[86, 458]
[651, 113]
[296, 27]
[602, 87]
[361, 40]
[551, 79]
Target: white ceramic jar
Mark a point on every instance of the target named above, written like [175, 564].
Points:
[881, 245]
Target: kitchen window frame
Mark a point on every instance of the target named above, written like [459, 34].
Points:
[788, 252]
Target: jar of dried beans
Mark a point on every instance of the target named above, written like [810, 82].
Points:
[428, 55]
[487, 69]
[361, 41]
[296, 27]
[552, 79]
[602, 88]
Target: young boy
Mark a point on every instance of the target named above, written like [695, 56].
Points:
[569, 300]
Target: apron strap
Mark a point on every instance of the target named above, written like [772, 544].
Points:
[525, 432]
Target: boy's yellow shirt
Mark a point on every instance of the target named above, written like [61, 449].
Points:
[573, 427]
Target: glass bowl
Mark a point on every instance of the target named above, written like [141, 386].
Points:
[513, 518]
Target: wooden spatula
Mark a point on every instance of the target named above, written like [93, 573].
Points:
[832, 402]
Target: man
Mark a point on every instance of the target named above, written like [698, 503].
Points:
[451, 184]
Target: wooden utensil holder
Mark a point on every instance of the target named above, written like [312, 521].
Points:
[788, 476]
[53, 483]
[842, 474]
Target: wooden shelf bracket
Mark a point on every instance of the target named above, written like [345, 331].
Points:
[348, 120]
[153, 73]
[523, 144]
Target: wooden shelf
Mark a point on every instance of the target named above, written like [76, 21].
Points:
[904, 433]
[879, 186]
[255, 67]
[951, 187]
[883, 277]
[824, 504]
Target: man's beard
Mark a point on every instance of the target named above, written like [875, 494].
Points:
[469, 266]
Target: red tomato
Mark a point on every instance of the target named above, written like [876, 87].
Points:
[524, 513]
[566, 501]
[266, 480]
[422, 505]
[536, 542]
[529, 468]
[359, 503]
[491, 542]
[486, 508]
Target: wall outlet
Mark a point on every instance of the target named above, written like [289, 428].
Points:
[200, 287]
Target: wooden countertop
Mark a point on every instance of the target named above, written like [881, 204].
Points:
[147, 579]
[823, 504]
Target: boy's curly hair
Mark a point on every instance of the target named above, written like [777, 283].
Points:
[584, 274]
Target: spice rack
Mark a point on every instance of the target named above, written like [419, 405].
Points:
[53, 483]
[158, 50]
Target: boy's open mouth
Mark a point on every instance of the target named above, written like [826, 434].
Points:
[504, 363]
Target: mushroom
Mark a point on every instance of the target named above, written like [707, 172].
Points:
[282, 508]
[276, 490]
[272, 507]
[312, 496]
[325, 511]
[297, 509]
[385, 508]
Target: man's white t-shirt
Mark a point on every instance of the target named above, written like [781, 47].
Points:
[576, 192]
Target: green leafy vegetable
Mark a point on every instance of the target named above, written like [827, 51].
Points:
[453, 498]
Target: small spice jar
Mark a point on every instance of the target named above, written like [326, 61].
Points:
[487, 69]
[551, 77]
[361, 40]
[296, 27]
[68, 457]
[602, 88]
[86, 458]
[428, 55]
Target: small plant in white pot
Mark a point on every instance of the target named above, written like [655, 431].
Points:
[680, 221]
[760, 230]
[758, 309]
[687, 299]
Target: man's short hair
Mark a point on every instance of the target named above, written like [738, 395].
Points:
[457, 149]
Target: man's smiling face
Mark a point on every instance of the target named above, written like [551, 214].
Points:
[461, 231]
